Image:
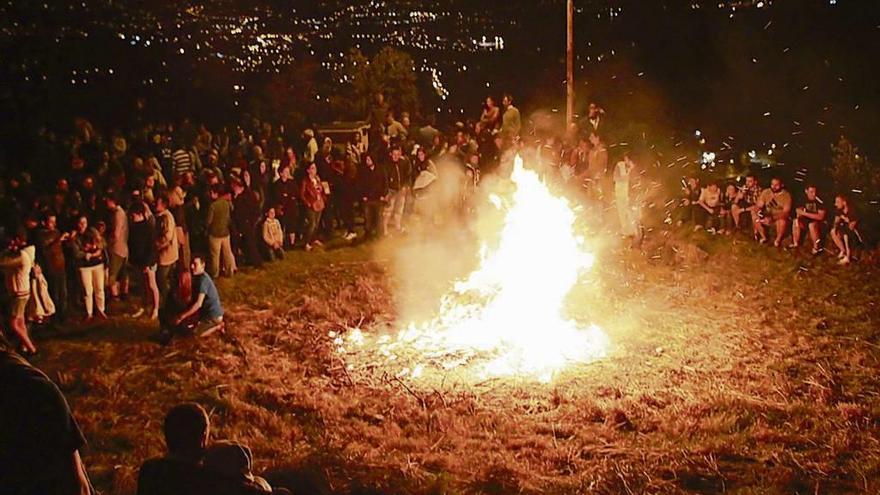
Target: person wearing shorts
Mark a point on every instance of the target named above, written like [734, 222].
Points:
[809, 217]
[144, 258]
[17, 266]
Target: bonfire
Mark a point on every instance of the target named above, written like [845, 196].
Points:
[506, 318]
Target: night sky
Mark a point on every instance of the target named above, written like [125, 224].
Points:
[749, 73]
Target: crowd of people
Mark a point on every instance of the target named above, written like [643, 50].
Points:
[158, 213]
[772, 214]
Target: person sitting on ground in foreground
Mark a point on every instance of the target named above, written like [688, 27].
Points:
[810, 216]
[775, 204]
[846, 229]
[230, 466]
[39, 436]
[179, 472]
[207, 301]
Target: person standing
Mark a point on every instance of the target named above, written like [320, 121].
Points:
[372, 187]
[88, 248]
[398, 170]
[17, 265]
[312, 196]
[144, 258]
[623, 176]
[50, 258]
[219, 221]
[246, 213]
[117, 247]
[286, 194]
[511, 122]
[167, 247]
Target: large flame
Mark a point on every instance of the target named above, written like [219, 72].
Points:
[509, 311]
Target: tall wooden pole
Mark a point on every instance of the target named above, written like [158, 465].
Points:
[569, 58]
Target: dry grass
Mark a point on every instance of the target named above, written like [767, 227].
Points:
[722, 379]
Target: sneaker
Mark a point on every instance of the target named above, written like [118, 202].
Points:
[711, 230]
[762, 241]
[841, 255]
[844, 261]
[137, 314]
[698, 227]
[776, 244]
[350, 236]
[792, 246]
[308, 247]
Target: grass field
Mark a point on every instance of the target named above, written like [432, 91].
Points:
[752, 371]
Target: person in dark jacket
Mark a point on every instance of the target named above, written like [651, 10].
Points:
[179, 472]
[246, 216]
[50, 257]
[144, 258]
[39, 436]
[372, 185]
[398, 169]
[286, 196]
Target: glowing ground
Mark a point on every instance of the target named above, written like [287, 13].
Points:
[720, 377]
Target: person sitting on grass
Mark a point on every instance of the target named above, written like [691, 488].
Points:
[709, 207]
[229, 464]
[273, 236]
[846, 229]
[746, 201]
[728, 202]
[179, 472]
[810, 216]
[207, 301]
[775, 204]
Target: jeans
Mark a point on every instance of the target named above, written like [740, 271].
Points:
[163, 281]
[249, 245]
[92, 278]
[313, 218]
[372, 218]
[221, 247]
[58, 292]
[395, 209]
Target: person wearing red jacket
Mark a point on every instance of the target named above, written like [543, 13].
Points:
[311, 192]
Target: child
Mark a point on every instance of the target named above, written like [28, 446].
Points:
[273, 236]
